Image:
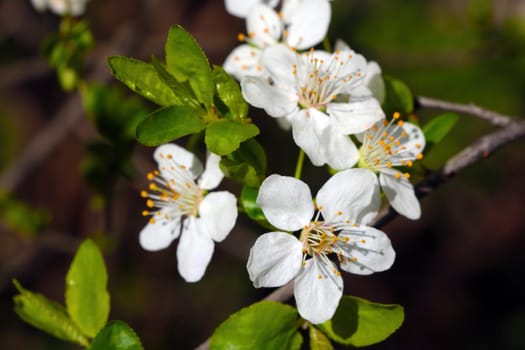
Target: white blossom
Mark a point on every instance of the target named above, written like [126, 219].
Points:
[314, 92]
[346, 203]
[61, 7]
[182, 207]
[301, 25]
[388, 145]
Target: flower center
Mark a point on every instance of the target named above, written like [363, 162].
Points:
[173, 191]
[319, 82]
[384, 147]
[319, 238]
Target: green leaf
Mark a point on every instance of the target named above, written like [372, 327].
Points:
[263, 325]
[249, 203]
[143, 79]
[398, 97]
[168, 124]
[87, 298]
[21, 218]
[229, 93]
[117, 335]
[225, 136]
[359, 322]
[246, 165]
[436, 129]
[182, 90]
[318, 341]
[186, 61]
[46, 315]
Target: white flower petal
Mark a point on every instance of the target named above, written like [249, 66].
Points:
[341, 45]
[212, 175]
[374, 81]
[241, 8]
[401, 195]
[309, 132]
[308, 23]
[159, 234]
[194, 251]
[286, 202]
[244, 61]
[218, 213]
[276, 102]
[39, 5]
[318, 289]
[355, 117]
[415, 140]
[368, 250]
[349, 195]
[339, 150]
[279, 62]
[274, 260]
[168, 153]
[264, 26]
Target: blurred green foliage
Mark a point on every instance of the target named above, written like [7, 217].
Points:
[65, 51]
[115, 116]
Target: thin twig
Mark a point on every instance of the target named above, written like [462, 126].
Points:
[492, 117]
[480, 149]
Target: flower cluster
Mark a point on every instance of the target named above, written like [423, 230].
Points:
[332, 103]
[330, 100]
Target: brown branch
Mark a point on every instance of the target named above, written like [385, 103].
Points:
[494, 118]
[480, 149]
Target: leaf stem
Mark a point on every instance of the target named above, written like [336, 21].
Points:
[299, 165]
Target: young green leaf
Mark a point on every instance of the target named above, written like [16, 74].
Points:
[182, 90]
[318, 341]
[436, 129]
[117, 335]
[87, 298]
[264, 325]
[186, 61]
[224, 136]
[246, 165]
[398, 97]
[168, 124]
[46, 315]
[229, 93]
[359, 322]
[143, 79]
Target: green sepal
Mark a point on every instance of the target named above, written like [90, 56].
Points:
[168, 124]
[263, 325]
[359, 322]
[398, 97]
[248, 200]
[182, 89]
[225, 136]
[318, 340]
[246, 165]
[142, 78]
[116, 335]
[229, 92]
[186, 61]
[87, 297]
[46, 315]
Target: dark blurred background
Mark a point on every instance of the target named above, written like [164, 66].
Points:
[460, 270]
